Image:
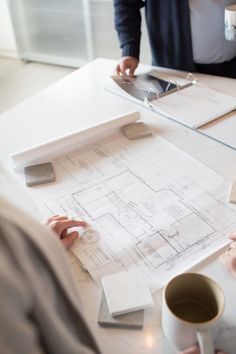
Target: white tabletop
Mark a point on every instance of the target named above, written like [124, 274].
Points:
[80, 100]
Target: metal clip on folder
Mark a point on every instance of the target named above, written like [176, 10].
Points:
[193, 80]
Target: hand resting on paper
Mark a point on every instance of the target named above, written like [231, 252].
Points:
[126, 64]
[229, 257]
[61, 225]
[196, 350]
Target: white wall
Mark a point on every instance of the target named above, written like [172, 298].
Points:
[7, 40]
[8, 44]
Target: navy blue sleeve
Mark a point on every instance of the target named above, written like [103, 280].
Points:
[128, 25]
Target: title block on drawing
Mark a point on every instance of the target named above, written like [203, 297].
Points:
[39, 174]
[126, 292]
[136, 130]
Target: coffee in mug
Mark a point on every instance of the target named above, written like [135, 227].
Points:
[192, 305]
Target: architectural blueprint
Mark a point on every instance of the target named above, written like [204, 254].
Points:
[153, 206]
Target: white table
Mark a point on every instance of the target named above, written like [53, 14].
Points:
[77, 101]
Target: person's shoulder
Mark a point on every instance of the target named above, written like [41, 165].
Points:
[8, 230]
[22, 227]
[11, 273]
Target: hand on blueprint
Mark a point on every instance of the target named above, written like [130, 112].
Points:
[229, 257]
[195, 350]
[126, 63]
[61, 226]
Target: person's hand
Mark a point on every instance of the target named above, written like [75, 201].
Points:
[126, 66]
[229, 257]
[196, 350]
[61, 226]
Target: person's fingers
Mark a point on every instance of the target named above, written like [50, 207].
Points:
[67, 224]
[63, 234]
[129, 68]
[133, 66]
[70, 239]
[229, 260]
[233, 236]
[124, 65]
[60, 225]
[121, 70]
[233, 244]
[231, 264]
[132, 70]
[54, 217]
[60, 217]
[230, 252]
[192, 350]
[117, 70]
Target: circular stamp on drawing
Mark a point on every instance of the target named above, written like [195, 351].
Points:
[90, 236]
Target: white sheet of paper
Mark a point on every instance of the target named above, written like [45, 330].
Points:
[195, 105]
[156, 208]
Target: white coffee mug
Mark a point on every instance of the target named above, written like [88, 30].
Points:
[230, 23]
[192, 305]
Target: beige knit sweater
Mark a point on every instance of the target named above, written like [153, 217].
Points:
[40, 311]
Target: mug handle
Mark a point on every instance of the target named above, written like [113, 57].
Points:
[205, 341]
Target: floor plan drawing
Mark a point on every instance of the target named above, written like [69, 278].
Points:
[152, 206]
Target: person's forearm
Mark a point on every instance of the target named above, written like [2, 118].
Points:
[128, 25]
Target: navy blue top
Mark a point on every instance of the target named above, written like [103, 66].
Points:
[169, 30]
